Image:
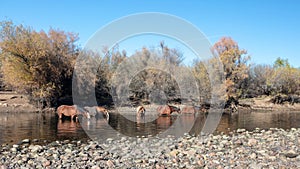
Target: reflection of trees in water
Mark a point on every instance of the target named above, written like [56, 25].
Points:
[157, 126]
[198, 121]
[263, 120]
[45, 126]
[18, 126]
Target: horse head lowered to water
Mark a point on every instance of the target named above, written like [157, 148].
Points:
[96, 110]
[167, 110]
[71, 111]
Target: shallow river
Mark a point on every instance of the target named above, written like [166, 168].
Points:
[46, 127]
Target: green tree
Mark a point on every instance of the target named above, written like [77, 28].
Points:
[281, 63]
[285, 78]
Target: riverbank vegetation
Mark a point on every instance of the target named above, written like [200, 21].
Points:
[40, 64]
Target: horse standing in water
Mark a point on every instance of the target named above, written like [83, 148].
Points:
[70, 111]
[188, 110]
[95, 110]
[167, 110]
[140, 114]
[140, 111]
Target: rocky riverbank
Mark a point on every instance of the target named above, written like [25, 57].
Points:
[14, 102]
[275, 148]
[264, 103]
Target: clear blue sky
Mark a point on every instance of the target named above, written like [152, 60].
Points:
[266, 29]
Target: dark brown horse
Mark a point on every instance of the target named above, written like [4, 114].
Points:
[167, 110]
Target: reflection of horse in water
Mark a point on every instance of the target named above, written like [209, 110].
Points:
[167, 110]
[140, 128]
[67, 127]
[164, 122]
[72, 111]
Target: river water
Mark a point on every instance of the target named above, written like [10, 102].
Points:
[45, 127]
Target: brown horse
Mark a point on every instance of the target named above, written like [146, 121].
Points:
[140, 111]
[188, 110]
[70, 111]
[102, 110]
[167, 110]
[93, 111]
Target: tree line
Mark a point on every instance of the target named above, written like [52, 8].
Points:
[41, 65]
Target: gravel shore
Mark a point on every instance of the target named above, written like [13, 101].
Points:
[274, 148]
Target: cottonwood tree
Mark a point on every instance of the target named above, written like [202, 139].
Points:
[149, 73]
[235, 66]
[37, 63]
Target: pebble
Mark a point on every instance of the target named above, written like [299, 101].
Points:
[15, 146]
[25, 141]
[253, 155]
[291, 154]
[240, 130]
[110, 164]
[252, 142]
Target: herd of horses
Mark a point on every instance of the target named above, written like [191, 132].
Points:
[75, 111]
[88, 112]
